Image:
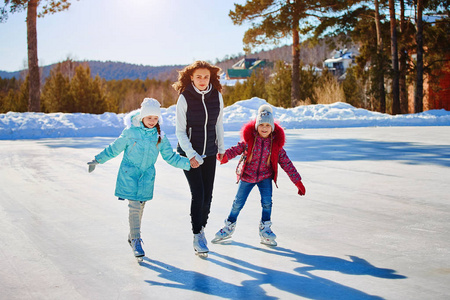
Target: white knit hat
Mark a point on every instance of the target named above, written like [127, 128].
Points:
[150, 107]
[264, 115]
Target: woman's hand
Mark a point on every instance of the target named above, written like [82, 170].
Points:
[194, 163]
[222, 158]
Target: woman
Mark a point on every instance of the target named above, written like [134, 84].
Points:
[199, 130]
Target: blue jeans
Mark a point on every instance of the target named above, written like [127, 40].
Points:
[244, 189]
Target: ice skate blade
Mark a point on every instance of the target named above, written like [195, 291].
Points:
[268, 242]
[218, 240]
[201, 254]
[139, 259]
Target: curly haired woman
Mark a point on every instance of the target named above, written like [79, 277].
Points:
[199, 130]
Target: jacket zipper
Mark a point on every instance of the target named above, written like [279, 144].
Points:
[132, 147]
[260, 159]
[206, 123]
[206, 113]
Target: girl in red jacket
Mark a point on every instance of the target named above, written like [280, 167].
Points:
[262, 149]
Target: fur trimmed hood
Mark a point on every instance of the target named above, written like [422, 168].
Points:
[132, 119]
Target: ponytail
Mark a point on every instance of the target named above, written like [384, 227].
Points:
[158, 128]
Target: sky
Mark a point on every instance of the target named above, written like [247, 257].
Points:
[374, 223]
[147, 32]
[337, 115]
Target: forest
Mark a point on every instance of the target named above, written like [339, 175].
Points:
[403, 58]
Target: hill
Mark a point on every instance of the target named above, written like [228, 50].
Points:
[115, 71]
[309, 55]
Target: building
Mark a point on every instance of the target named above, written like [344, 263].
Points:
[340, 62]
[245, 67]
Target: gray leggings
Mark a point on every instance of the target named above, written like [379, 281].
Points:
[135, 218]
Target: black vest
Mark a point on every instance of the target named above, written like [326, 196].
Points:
[196, 113]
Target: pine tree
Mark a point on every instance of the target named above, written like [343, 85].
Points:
[310, 81]
[394, 54]
[418, 92]
[14, 95]
[88, 94]
[56, 96]
[279, 85]
[274, 20]
[31, 6]
[352, 88]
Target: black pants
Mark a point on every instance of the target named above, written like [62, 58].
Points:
[201, 181]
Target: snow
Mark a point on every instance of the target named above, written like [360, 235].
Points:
[338, 115]
[373, 224]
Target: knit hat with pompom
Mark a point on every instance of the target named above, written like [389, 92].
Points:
[264, 115]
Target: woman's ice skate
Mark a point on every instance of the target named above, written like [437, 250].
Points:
[266, 234]
[138, 252]
[200, 245]
[225, 232]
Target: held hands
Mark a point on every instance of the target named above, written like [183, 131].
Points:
[196, 161]
[222, 158]
[301, 188]
[92, 165]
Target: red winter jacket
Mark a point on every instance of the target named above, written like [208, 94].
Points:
[257, 151]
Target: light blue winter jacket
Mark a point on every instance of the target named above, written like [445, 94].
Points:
[136, 178]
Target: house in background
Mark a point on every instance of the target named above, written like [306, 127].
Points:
[245, 67]
[340, 62]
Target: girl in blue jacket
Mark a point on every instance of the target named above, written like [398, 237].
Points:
[141, 141]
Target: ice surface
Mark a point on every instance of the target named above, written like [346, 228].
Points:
[374, 223]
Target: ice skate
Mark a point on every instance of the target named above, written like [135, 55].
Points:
[200, 246]
[266, 234]
[138, 252]
[225, 232]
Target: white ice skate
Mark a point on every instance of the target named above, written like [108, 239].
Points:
[200, 245]
[202, 235]
[138, 252]
[225, 232]
[266, 234]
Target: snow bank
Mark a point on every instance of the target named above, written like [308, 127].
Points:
[337, 115]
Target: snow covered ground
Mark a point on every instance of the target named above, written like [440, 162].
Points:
[373, 225]
[337, 115]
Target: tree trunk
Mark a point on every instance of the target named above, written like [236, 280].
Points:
[380, 63]
[394, 53]
[418, 94]
[402, 63]
[295, 89]
[34, 103]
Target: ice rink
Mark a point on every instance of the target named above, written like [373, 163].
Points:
[374, 224]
